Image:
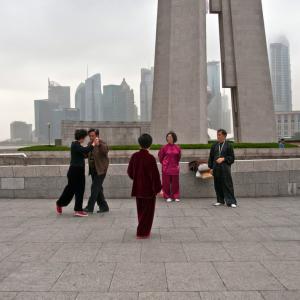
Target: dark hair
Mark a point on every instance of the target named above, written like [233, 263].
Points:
[80, 134]
[94, 130]
[145, 141]
[223, 132]
[174, 136]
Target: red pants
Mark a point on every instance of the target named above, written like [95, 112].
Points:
[145, 210]
[171, 186]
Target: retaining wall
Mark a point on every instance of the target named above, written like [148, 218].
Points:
[252, 178]
[122, 156]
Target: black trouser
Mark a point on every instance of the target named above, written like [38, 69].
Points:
[97, 193]
[75, 186]
[224, 184]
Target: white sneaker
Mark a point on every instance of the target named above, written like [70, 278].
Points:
[218, 204]
[177, 200]
[233, 205]
[169, 200]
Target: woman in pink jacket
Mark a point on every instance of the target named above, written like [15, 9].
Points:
[169, 157]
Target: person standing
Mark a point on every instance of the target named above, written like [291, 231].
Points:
[76, 175]
[169, 157]
[220, 160]
[142, 169]
[98, 166]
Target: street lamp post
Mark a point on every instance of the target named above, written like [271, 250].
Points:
[49, 132]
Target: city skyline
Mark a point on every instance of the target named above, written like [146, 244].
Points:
[124, 47]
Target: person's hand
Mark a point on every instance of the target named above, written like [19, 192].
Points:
[220, 160]
[211, 171]
[95, 142]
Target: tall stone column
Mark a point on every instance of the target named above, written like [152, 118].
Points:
[245, 68]
[180, 75]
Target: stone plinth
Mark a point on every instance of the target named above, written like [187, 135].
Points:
[180, 78]
[245, 68]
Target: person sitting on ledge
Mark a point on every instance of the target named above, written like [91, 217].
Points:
[76, 175]
[144, 172]
[220, 160]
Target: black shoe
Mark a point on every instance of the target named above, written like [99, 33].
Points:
[103, 210]
[87, 210]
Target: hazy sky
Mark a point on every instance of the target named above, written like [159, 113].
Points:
[57, 39]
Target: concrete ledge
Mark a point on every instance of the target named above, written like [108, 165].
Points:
[252, 178]
[122, 156]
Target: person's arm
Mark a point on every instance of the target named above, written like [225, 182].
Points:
[156, 178]
[179, 154]
[230, 157]
[84, 150]
[130, 169]
[161, 154]
[211, 157]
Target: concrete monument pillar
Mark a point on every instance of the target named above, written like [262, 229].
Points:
[180, 75]
[245, 68]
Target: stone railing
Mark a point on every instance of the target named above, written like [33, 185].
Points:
[252, 178]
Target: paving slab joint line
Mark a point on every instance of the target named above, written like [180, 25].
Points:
[76, 295]
[98, 251]
[270, 273]
[67, 265]
[167, 283]
[112, 277]
[213, 264]
[185, 254]
[227, 251]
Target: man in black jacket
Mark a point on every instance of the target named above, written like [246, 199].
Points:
[220, 160]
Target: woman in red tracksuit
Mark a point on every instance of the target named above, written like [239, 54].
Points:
[169, 157]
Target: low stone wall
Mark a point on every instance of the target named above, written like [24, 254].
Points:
[122, 156]
[252, 178]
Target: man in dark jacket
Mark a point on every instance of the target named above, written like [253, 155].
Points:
[98, 166]
[220, 160]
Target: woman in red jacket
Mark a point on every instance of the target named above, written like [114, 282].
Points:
[143, 171]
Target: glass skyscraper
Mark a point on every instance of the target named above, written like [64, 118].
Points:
[281, 75]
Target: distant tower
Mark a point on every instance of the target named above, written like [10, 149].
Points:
[146, 93]
[59, 96]
[180, 72]
[118, 103]
[80, 101]
[93, 98]
[281, 75]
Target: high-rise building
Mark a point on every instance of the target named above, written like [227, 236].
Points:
[127, 95]
[219, 112]
[146, 92]
[58, 96]
[214, 77]
[118, 103]
[80, 101]
[43, 110]
[288, 124]
[93, 99]
[62, 114]
[281, 75]
[226, 118]
[20, 131]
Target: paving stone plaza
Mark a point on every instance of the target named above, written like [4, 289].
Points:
[196, 251]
